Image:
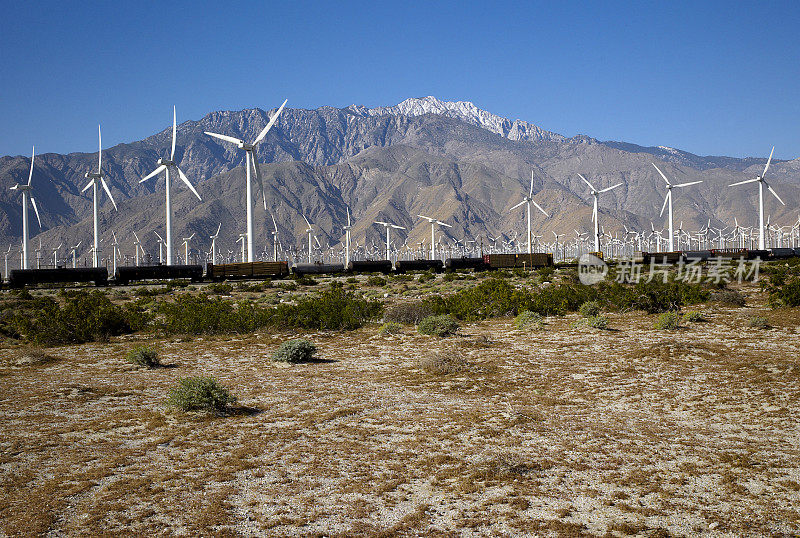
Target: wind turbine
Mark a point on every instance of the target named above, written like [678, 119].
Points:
[55, 254]
[529, 200]
[160, 248]
[310, 232]
[163, 166]
[251, 160]
[114, 251]
[5, 256]
[595, 192]
[274, 238]
[668, 202]
[347, 240]
[186, 248]
[214, 245]
[26, 195]
[433, 222]
[761, 184]
[94, 179]
[388, 227]
[136, 246]
[74, 250]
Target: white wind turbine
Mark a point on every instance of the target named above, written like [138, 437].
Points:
[761, 184]
[160, 248]
[529, 200]
[347, 240]
[595, 192]
[388, 227]
[74, 250]
[5, 260]
[214, 245]
[136, 246]
[163, 166]
[55, 254]
[310, 232]
[114, 251]
[274, 238]
[433, 222]
[668, 202]
[186, 248]
[26, 195]
[94, 180]
[251, 160]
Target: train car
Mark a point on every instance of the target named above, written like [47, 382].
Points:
[370, 266]
[246, 270]
[522, 261]
[782, 253]
[418, 265]
[692, 255]
[19, 278]
[133, 273]
[457, 264]
[318, 268]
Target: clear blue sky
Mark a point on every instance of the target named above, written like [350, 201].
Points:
[719, 78]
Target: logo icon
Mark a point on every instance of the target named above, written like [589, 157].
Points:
[591, 269]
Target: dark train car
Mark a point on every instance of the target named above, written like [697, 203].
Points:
[522, 261]
[731, 253]
[782, 253]
[702, 255]
[370, 266]
[662, 257]
[418, 265]
[19, 278]
[458, 264]
[132, 273]
[247, 270]
[318, 268]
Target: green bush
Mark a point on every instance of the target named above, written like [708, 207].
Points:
[425, 277]
[597, 322]
[351, 280]
[784, 292]
[332, 309]
[143, 356]
[728, 297]
[409, 313]
[375, 280]
[391, 328]
[450, 276]
[758, 322]
[200, 394]
[528, 320]
[294, 351]
[220, 288]
[443, 325]
[590, 309]
[693, 316]
[668, 321]
[306, 280]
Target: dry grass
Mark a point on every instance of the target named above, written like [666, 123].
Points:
[634, 431]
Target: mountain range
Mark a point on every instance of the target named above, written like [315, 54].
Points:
[449, 160]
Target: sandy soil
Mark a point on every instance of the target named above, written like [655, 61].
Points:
[565, 431]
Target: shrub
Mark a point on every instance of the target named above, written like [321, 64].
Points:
[443, 325]
[425, 277]
[143, 356]
[294, 351]
[306, 280]
[391, 328]
[728, 297]
[203, 314]
[449, 277]
[528, 320]
[668, 321]
[656, 296]
[442, 363]
[597, 322]
[200, 394]
[784, 293]
[220, 288]
[590, 309]
[332, 309]
[693, 315]
[351, 280]
[375, 280]
[758, 322]
[410, 313]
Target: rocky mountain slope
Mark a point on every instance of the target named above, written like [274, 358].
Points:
[450, 160]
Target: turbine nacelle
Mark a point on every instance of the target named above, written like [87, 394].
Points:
[166, 162]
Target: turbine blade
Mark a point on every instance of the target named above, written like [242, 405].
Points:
[516, 206]
[663, 207]
[775, 194]
[610, 188]
[86, 188]
[305, 219]
[153, 173]
[136, 236]
[224, 137]
[531, 192]
[99, 150]
[660, 172]
[743, 182]
[768, 161]
[587, 182]
[162, 239]
[540, 208]
[174, 133]
[348, 217]
[30, 175]
[272, 120]
[186, 180]
[258, 178]
[108, 192]
[687, 184]
[36, 210]
[218, 229]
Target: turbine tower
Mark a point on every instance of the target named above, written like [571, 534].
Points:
[163, 166]
[94, 179]
[529, 200]
[26, 195]
[214, 245]
[595, 192]
[186, 248]
[274, 238]
[761, 184]
[250, 160]
[433, 223]
[309, 231]
[668, 202]
[347, 240]
[388, 227]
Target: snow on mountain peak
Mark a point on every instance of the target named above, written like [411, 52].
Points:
[463, 110]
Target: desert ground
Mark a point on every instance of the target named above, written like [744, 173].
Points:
[561, 431]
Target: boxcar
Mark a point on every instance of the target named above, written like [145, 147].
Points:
[508, 261]
[246, 270]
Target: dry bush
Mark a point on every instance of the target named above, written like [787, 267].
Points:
[407, 313]
[728, 297]
[444, 362]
